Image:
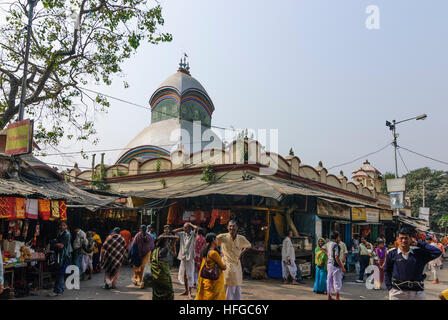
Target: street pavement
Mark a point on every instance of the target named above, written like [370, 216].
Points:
[270, 289]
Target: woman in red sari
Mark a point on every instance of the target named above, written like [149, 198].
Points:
[200, 243]
[381, 252]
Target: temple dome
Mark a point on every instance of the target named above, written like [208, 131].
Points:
[181, 82]
[178, 105]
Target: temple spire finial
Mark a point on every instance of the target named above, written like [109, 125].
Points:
[184, 66]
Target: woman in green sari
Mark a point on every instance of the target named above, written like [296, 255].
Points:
[162, 287]
[321, 257]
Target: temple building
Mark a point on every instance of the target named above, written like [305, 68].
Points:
[173, 178]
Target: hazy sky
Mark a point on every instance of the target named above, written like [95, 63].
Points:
[309, 68]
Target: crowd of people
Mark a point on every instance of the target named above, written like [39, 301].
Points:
[209, 264]
[400, 267]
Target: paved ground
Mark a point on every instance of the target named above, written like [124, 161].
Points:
[252, 289]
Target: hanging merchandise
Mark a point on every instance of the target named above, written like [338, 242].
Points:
[205, 216]
[365, 231]
[54, 209]
[36, 234]
[11, 228]
[20, 208]
[187, 216]
[63, 210]
[196, 217]
[18, 228]
[224, 216]
[32, 209]
[215, 215]
[175, 212]
[44, 209]
[25, 229]
[7, 206]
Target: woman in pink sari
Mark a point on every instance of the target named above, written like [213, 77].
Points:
[200, 243]
[381, 252]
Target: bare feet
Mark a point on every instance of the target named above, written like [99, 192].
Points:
[435, 281]
[329, 297]
[337, 296]
[185, 293]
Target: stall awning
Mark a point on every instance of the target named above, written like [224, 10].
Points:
[255, 185]
[59, 190]
[413, 223]
[343, 203]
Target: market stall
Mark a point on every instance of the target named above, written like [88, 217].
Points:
[25, 225]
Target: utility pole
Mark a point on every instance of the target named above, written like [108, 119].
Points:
[424, 193]
[395, 148]
[392, 127]
[31, 4]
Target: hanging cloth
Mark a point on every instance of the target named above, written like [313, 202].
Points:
[20, 208]
[32, 209]
[224, 216]
[25, 230]
[63, 210]
[54, 209]
[18, 228]
[187, 216]
[44, 209]
[215, 215]
[7, 207]
[175, 212]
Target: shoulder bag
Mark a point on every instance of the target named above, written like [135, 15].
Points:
[210, 274]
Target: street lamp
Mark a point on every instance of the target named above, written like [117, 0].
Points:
[392, 128]
[442, 175]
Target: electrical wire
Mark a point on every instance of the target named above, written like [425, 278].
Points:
[144, 107]
[421, 155]
[402, 160]
[369, 154]
[121, 149]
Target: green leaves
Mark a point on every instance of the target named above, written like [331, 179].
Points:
[109, 33]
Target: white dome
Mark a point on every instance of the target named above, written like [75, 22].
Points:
[181, 82]
[167, 135]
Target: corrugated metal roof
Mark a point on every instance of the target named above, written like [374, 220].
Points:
[414, 223]
[257, 185]
[57, 190]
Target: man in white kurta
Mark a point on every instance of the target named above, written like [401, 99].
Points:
[289, 267]
[233, 246]
[187, 241]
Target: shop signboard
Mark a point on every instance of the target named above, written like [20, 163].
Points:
[386, 215]
[19, 138]
[424, 213]
[396, 185]
[358, 214]
[372, 215]
[332, 210]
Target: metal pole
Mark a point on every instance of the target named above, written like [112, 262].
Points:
[423, 193]
[395, 148]
[31, 4]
